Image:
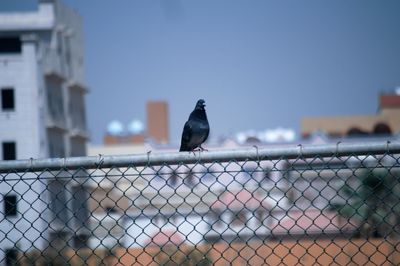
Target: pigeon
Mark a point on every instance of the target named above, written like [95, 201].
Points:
[196, 129]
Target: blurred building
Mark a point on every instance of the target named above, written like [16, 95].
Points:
[229, 201]
[42, 114]
[232, 202]
[386, 122]
[157, 130]
[157, 121]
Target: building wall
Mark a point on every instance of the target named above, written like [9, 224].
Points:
[18, 71]
[157, 122]
[24, 126]
[389, 113]
[23, 232]
[337, 125]
[48, 120]
[48, 78]
[274, 252]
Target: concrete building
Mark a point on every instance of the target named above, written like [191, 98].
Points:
[386, 121]
[42, 115]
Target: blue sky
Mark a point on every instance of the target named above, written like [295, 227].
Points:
[258, 64]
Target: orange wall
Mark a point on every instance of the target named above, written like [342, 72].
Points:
[289, 252]
[285, 252]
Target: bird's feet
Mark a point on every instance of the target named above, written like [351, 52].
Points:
[199, 149]
[202, 149]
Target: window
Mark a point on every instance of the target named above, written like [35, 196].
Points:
[172, 219]
[248, 172]
[79, 205]
[215, 219]
[157, 219]
[174, 178]
[59, 43]
[58, 201]
[9, 151]
[111, 209]
[209, 175]
[11, 257]
[55, 104]
[263, 216]
[81, 241]
[239, 218]
[190, 179]
[10, 205]
[158, 177]
[56, 142]
[7, 99]
[355, 131]
[10, 45]
[58, 239]
[267, 173]
[382, 128]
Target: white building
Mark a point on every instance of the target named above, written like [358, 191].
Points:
[223, 201]
[42, 114]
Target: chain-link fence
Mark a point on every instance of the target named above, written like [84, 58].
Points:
[305, 205]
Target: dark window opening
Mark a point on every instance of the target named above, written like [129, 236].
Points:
[79, 205]
[10, 205]
[239, 218]
[81, 241]
[190, 179]
[11, 257]
[355, 131]
[208, 175]
[10, 45]
[216, 219]
[58, 239]
[9, 151]
[158, 177]
[174, 177]
[110, 209]
[267, 174]
[382, 128]
[58, 200]
[7, 99]
[263, 216]
[248, 172]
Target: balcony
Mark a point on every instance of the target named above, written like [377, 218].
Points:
[53, 65]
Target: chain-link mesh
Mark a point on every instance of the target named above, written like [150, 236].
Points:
[286, 209]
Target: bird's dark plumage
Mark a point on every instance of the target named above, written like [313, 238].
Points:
[196, 129]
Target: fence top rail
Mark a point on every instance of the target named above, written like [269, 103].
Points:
[154, 159]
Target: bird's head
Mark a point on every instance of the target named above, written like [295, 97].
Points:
[200, 104]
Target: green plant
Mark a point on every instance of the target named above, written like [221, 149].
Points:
[188, 256]
[372, 199]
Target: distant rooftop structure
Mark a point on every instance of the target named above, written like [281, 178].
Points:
[115, 128]
[385, 122]
[157, 121]
[136, 133]
[135, 127]
[277, 135]
[390, 100]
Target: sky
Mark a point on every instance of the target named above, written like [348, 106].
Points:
[259, 64]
